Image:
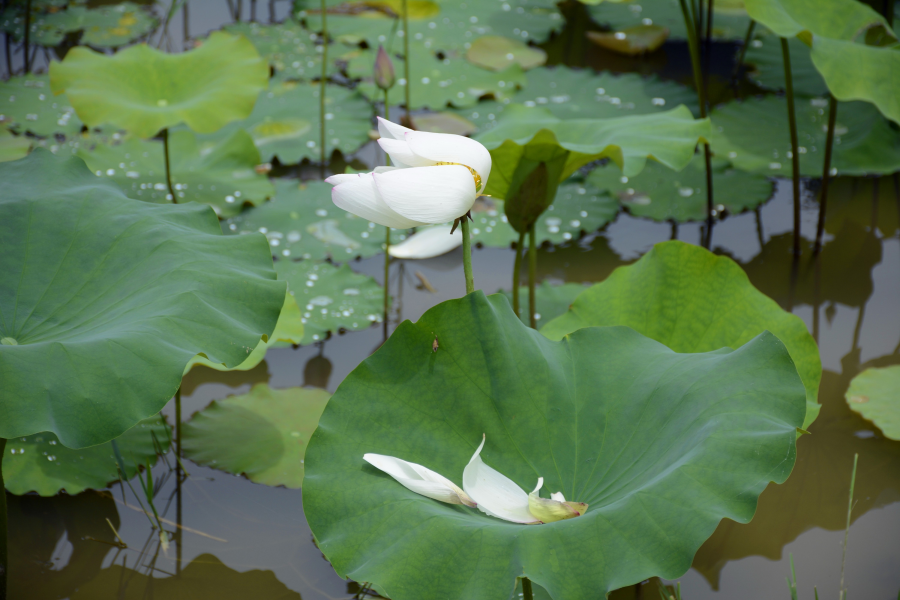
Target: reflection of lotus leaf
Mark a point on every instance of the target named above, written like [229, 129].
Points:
[27, 104]
[875, 394]
[117, 295]
[262, 434]
[862, 199]
[692, 301]
[40, 464]
[656, 442]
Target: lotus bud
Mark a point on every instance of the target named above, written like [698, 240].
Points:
[554, 509]
[384, 70]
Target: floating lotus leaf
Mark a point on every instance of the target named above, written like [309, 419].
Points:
[444, 122]
[144, 90]
[631, 41]
[660, 445]
[837, 19]
[730, 21]
[27, 104]
[497, 53]
[552, 300]
[39, 463]
[285, 122]
[205, 577]
[437, 83]
[766, 61]
[875, 395]
[301, 221]
[693, 301]
[44, 32]
[117, 296]
[262, 434]
[666, 195]
[101, 27]
[331, 298]
[292, 51]
[221, 175]
[581, 93]
[13, 147]
[754, 136]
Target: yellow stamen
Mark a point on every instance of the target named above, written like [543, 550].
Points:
[471, 170]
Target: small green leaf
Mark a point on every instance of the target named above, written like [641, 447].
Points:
[875, 395]
[496, 53]
[631, 41]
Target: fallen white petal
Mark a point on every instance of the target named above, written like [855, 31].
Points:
[428, 243]
[428, 194]
[419, 479]
[401, 155]
[386, 129]
[357, 194]
[449, 148]
[558, 496]
[496, 494]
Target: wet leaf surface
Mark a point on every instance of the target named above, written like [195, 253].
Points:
[27, 104]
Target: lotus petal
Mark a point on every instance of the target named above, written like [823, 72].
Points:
[419, 479]
[401, 155]
[449, 148]
[428, 243]
[496, 494]
[427, 194]
[359, 195]
[391, 130]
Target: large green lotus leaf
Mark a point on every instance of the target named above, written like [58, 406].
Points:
[105, 299]
[301, 221]
[730, 21]
[27, 104]
[666, 195]
[38, 463]
[261, 434]
[669, 137]
[144, 90]
[222, 175]
[859, 72]
[292, 51]
[661, 446]
[551, 300]
[288, 330]
[693, 301]
[766, 60]
[13, 147]
[331, 298]
[875, 394]
[205, 577]
[837, 19]
[581, 93]
[437, 82]
[754, 136]
[285, 122]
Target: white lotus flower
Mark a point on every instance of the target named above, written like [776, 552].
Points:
[498, 496]
[436, 178]
[428, 243]
[420, 479]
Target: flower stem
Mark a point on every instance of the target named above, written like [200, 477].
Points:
[795, 153]
[532, 275]
[406, 62]
[517, 269]
[527, 594]
[322, 84]
[467, 255]
[748, 39]
[826, 172]
[165, 137]
[387, 233]
[4, 554]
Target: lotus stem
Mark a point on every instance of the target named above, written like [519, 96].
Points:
[253, 11]
[795, 152]
[527, 594]
[406, 61]
[165, 137]
[748, 38]
[517, 270]
[532, 276]
[322, 84]
[27, 37]
[843, 594]
[467, 254]
[826, 172]
[185, 25]
[4, 554]
[178, 481]
[387, 234]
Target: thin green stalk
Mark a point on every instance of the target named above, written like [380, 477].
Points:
[387, 233]
[527, 594]
[178, 482]
[843, 594]
[27, 36]
[322, 84]
[165, 137]
[826, 172]
[406, 60]
[748, 39]
[792, 580]
[517, 270]
[532, 276]
[795, 145]
[467, 255]
[4, 535]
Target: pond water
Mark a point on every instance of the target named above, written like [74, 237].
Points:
[244, 540]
